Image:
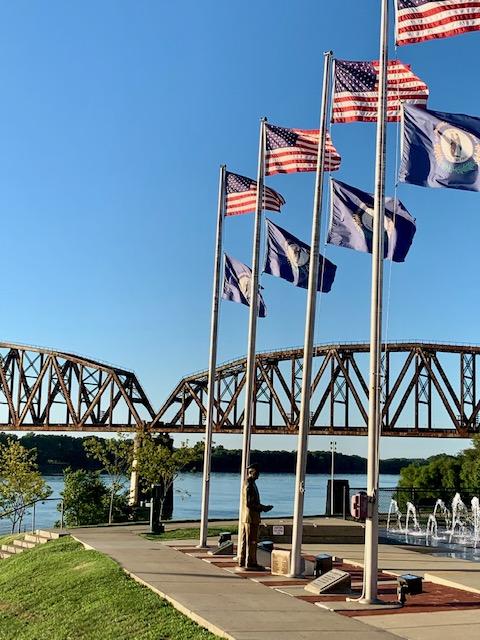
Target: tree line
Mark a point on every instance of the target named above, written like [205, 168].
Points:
[57, 452]
[445, 472]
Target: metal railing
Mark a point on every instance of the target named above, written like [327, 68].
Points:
[29, 511]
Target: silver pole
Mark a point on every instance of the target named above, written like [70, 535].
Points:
[332, 474]
[252, 327]
[304, 425]
[207, 455]
[374, 413]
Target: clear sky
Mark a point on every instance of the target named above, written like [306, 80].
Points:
[114, 118]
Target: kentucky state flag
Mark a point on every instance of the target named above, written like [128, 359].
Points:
[351, 222]
[237, 284]
[288, 257]
[440, 149]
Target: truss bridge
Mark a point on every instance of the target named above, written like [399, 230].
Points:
[45, 390]
[428, 390]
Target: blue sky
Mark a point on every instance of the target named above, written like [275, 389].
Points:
[114, 118]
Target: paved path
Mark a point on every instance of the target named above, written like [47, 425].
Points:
[224, 603]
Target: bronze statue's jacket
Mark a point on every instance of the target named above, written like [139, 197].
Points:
[251, 502]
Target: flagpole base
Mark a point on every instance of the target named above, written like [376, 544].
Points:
[362, 604]
[373, 601]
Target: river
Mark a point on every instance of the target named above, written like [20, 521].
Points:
[275, 488]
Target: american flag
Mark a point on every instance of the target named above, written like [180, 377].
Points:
[356, 90]
[241, 195]
[294, 150]
[419, 20]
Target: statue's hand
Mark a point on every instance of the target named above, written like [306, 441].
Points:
[268, 507]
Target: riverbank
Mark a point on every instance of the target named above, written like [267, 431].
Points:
[275, 488]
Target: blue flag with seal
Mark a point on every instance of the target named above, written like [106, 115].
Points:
[351, 222]
[237, 284]
[288, 257]
[440, 149]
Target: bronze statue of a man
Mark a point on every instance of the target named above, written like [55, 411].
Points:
[251, 511]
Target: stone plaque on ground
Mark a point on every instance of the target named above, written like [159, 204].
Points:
[280, 562]
[334, 581]
[225, 549]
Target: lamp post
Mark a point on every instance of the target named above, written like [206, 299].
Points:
[333, 448]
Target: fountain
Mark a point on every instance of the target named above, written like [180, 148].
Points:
[444, 511]
[432, 527]
[475, 504]
[455, 532]
[460, 518]
[411, 511]
[393, 509]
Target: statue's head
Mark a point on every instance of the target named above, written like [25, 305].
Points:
[253, 471]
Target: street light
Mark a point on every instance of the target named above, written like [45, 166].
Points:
[333, 448]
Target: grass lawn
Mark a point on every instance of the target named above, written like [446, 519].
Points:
[60, 591]
[188, 534]
[8, 539]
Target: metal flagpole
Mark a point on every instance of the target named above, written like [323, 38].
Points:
[304, 425]
[252, 328]
[374, 412]
[333, 446]
[207, 455]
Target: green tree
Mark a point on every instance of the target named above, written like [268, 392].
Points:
[115, 457]
[470, 473]
[85, 498]
[438, 476]
[21, 483]
[158, 463]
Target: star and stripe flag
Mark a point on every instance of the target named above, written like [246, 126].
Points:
[296, 150]
[420, 20]
[356, 90]
[241, 196]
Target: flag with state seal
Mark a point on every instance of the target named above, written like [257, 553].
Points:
[237, 284]
[287, 257]
[440, 149]
[351, 222]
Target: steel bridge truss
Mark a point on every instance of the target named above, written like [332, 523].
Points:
[428, 389]
[43, 390]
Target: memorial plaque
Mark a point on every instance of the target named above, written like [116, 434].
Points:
[334, 581]
[278, 530]
[280, 562]
[225, 549]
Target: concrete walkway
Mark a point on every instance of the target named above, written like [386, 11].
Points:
[224, 603]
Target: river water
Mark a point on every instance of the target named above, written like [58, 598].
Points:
[275, 488]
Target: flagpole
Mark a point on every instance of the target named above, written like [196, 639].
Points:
[304, 424]
[207, 455]
[252, 329]
[369, 595]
